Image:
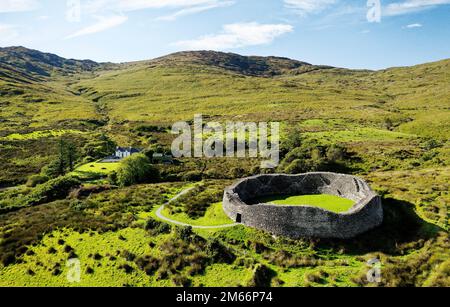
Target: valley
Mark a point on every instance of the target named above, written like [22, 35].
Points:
[59, 118]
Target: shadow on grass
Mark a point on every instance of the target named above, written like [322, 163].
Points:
[83, 175]
[401, 228]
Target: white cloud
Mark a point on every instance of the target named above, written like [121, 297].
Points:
[133, 5]
[308, 6]
[7, 34]
[117, 9]
[238, 35]
[411, 6]
[97, 6]
[195, 10]
[103, 24]
[414, 25]
[9, 6]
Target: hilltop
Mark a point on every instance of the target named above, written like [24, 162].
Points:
[39, 64]
[246, 65]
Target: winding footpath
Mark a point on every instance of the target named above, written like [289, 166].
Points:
[162, 217]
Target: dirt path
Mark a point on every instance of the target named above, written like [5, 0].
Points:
[162, 217]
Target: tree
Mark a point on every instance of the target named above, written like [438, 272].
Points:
[65, 161]
[293, 140]
[71, 155]
[61, 159]
[100, 147]
[137, 169]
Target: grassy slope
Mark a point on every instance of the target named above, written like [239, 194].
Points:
[214, 216]
[142, 92]
[330, 104]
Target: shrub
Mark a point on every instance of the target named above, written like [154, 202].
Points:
[148, 264]
[184, 233]
[35, 180]
[237, 172]
[313, 277]
[157, 227]
[293, 140]
[100, 147]
[52, 190]
[181, 281]
[193, 176]
[112, 178]
[310, 157]
[137, 169]
[262, 276]
[52, 170]
[218, 252]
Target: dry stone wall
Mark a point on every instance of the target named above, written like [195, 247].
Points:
[304, 221]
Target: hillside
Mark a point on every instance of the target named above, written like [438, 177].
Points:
[41, 91]
[246, 65]
[28, 61]
[389, 127]
[217, 84]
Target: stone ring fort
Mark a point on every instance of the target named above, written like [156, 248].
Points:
[304, 221]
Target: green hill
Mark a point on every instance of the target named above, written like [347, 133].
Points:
[37, 63]
[42, 92]
[389, 127]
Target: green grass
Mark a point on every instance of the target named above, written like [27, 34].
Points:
[358, 135]
[84, 245]
[214, 216]
[97, 168]
[324, 201]
[39, 134]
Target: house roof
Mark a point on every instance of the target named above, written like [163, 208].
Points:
[128, 149]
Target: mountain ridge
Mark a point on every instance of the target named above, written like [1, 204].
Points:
[41, 64]
[33, 64]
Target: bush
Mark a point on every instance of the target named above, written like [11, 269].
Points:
[193, 176]
[218, 252]
[262, 276]
[237, 172]
[310, 158]
[99, 147]
[52, 170]
[293, 140]
[52, 190]
[184, 233]
[157, 227]
[35, 180]
[181, 281]
[112, 178]
[137, 169]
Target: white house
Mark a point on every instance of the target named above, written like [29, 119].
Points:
[125, 152]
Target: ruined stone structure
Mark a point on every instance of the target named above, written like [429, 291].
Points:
[304, 221]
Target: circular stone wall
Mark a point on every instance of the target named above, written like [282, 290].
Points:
[304, 221]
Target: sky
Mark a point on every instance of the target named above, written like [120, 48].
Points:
[362, 34]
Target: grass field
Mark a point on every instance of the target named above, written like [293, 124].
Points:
[96, 168]
[39, 134]
[328, 202]
[214, 216]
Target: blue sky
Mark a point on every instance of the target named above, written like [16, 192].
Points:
[331, 32]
